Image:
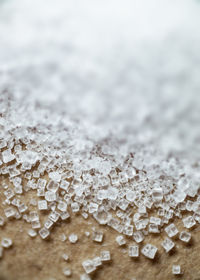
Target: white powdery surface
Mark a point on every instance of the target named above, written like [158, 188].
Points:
[107, 104]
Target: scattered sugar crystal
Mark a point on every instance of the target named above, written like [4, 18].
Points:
[155, 220]
[157, 194]
[10, 212]
[54, 216]
[62, 206]
[138, 236]
[97, 261]
[22, 208]
[63, 237]
[128, 230]
[42, 205]
[176, 269]
[168, 244]
[36, 224]
[44, 233]
[105, 256]
[141, 224]
[32, 233]
[179, 196]
[93, 207]
[75, 207]
[87, 233]
[171, 230]
[9, 193]
[134, 251]
[6, 242]
[67, 272]
[97, 236]
[65, 257]
[84, 215]
[64, 216]
[120, 240]
[189, 222]
[50, 196]
[33, 215]
[64, 185]
[7, 156]
[48, 224]
[85, 277]
[1, 221]
[102, 194]
[55, 176]
[153, 228]
[185, 236]
[52, 186]
[112, 193]
[73, 238]
[130, 196]
[149, 251]
[88, 266]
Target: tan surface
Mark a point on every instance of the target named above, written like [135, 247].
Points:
[37, 259]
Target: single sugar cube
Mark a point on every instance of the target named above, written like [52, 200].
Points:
[176, 269]
[42, 205]
[149, 251]
[73, 238]
[6, 242]
[65, 257]
[134, 251]
[189, 222]
[44, 233]
[97, 261]
[97, 236]
[7, 156]
[185, 236]
[105, 256]
[168, 244]
[120, 240]
[138, 236]
[88, 266]
[32, 233]
[171, 230]
[85, 277]
[67, 272]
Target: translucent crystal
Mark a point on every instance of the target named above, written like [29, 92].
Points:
[130, 196]
[6, 242]
[185, 236]
[50, 196]
[85, 277]
[97, 236]
[138, 236]
[128, 230]
[75, 207]
[55, 176]
[32, 233]
[97, 261]
[189, 222]
[52, 186]
[149, 251]
[153, 228]
[48, 224]
[64, 215]
[73, 238]
[88, 266]
[62, 206]
[7, 156]
[42, 205]
[120, 240]
[168, 244]
[105, 256]
[157, 194]
[134, 251]
[54, 216]
[44, 233]
[176, 269]
[171, 230]
[67, 272]
[10, 212]
[65, 257]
